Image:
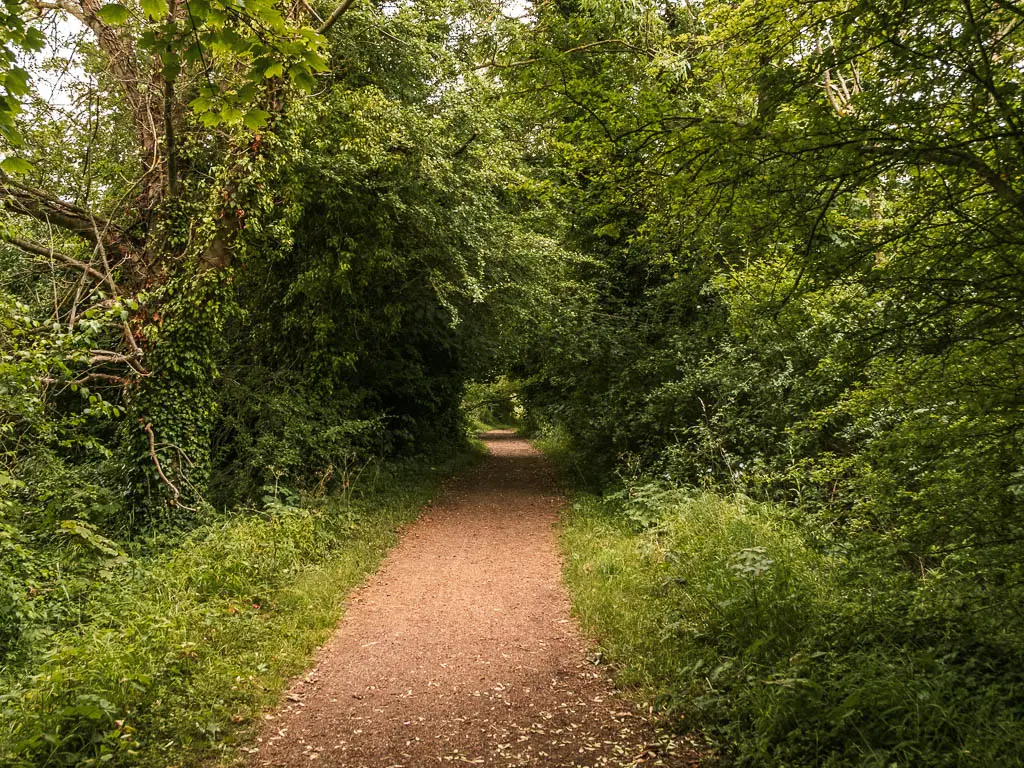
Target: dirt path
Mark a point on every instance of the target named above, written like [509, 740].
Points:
[462, 650]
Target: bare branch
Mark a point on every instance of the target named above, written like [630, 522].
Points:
[119, 50]
[41, 250]
[1011, 7]
[156, 463]
[88, 377]
[338, 13]
[525, 62]
[105, 356]
[954, 158]
[42, 206]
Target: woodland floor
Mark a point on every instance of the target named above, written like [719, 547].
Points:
[462, 649]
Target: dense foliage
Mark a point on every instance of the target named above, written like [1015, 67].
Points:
[752, 247]
[803, 229]
[248, 256]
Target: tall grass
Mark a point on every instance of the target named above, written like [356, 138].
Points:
[718, 609]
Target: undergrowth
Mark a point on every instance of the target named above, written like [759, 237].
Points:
[780, 650]
[175, 656]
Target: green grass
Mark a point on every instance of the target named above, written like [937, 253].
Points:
[715, 609]
[672, 604]
[181, 651]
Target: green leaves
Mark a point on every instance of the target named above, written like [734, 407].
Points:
[255, 119]
[113, 14]
[16, 165]
[15, 37]
[154, 10]
[201, 104]
[301, 78]
[220, 37]
[16, 81]
[171, 66]
[231, 115]
[90, 537]
[231, 110]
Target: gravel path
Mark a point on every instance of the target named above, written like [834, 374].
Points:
[461, 650]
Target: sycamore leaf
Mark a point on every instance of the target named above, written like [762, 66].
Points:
[16, 165]
[34, 40]
[9, 131]
[172, 68]
[154, 9]
[274, 70]
[301, 78]
[113, 14]
[316, 62]
[201, 104]
[16, 81]
[193, 54]
[199, 10]
[255, 119]
[231, 115]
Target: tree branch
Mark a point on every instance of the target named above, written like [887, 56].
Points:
[1011, 7]
[953, 158]
[338, 13]
[102, 356]
[41, 250]
[465, 144]
[42, 206]
[156, 463]
[88, 377]
[122, 62]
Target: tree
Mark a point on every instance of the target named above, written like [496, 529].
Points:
[187, 97]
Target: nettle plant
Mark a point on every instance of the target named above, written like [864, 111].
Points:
[751, 565]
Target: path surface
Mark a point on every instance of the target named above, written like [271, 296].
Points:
[461, 650]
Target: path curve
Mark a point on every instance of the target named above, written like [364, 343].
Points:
[462, 650]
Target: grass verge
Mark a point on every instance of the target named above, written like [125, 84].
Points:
[180, 652]
[719, 611]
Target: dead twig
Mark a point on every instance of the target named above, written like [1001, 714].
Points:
[176, 500]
